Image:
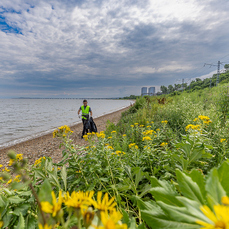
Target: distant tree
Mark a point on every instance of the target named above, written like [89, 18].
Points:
[170, 88]
[226, 66]
[164, 89]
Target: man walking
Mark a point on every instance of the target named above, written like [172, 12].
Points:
[85, 115]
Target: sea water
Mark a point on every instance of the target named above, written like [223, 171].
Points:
[23, 119]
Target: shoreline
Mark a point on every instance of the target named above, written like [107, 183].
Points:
[26, 138]
[48, 146]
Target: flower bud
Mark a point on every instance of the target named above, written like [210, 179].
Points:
[11, 154]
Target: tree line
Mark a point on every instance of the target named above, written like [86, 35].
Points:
[198, 83]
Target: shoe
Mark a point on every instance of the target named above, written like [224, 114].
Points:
[81, 137]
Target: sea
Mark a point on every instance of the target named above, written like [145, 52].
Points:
[24, 119]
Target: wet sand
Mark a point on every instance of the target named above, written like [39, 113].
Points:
[48, 146]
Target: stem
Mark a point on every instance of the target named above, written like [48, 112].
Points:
[38, 202]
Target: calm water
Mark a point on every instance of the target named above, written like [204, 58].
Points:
[22, 119]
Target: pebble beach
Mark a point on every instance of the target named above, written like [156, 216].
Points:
[48, 146]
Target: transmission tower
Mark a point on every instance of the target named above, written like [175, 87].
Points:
[218, 70]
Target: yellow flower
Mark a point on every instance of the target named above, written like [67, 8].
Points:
[55, 206]
[1, 166]
[110, 147]
[1, 223]
[131, 125]
[164, 121]
[164, 144]
[1, 178]
[79, 200]
[225, 200]
[109, 137]
[152, 122]
[136, 124]
[113, 132]
[55, 132]
[9, 181]
[46, 226]
[222, 140]
[136, 147]
[17, 178]
[11, 162]
[147, 138]
[148, 126]
[157, 129]
[196, 119]
[132, 144]
[104, 204]
[124, 135]
[19, 157]
[217, 219]
[6, 169]
[112, 221]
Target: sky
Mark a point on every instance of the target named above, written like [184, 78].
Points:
[107, 48]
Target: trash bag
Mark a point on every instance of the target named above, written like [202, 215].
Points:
[93, 127]
[87, 125]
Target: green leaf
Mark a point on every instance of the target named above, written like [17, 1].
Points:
[21, 222]
[214, 188]
[162, 222]
[198, 177]
[125, 218]
[2, 202]
[7, 218]
[32, 223]
[161, 194]
[45, 192]
[177, 213]
[188, 187]
[223, 172]
[15, 199]
[21, 209]
[63, 174]
[53, 180]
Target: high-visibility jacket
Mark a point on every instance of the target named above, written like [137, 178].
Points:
[85, 112]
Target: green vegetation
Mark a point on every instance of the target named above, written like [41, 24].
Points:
[165, 165]
[198, 84]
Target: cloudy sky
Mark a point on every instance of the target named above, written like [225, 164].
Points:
[107, 48]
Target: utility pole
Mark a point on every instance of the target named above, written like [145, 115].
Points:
[218, 70]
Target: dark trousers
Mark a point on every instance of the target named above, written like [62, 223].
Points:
[84, 125]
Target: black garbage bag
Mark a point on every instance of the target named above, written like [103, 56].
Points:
[93, 127]
[87, 125]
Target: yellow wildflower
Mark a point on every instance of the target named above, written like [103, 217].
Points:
[147, 138]
[79, 200]
[46, 226]
[1, 166]
[131, 125]
[110, 147]
[225, 200]
[109, 137]
[112, 221]
[6, 169]
[11, 162]
[53, 208]
[136, 124]
[157, 129]
[136, 147]
[17, 178]
[1, 223]
[164, 144]
[217, 219]
[104, 204]
[19, 157]
[124, 135]
[222, 140]
[132, 144]
[113, 132]
[55, 132]
[164, 121]
[9, 181]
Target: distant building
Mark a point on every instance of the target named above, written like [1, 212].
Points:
[152, 91]
[144, 91]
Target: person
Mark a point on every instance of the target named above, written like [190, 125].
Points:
[85, 115]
